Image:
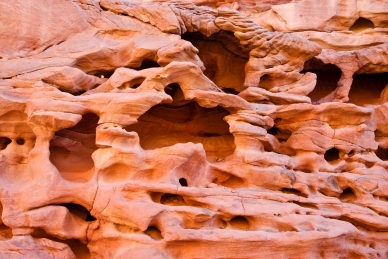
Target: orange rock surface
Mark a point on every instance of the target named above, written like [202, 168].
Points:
[193, 129]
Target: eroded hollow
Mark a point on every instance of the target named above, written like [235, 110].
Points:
[223, 57]
[239, 222]
[362, 24]
[328, 76]
[79, 249]
[293, 191]
[281, 134]
[368, 88]
[347, 195]
[382, 153]
[183, 182]
[332, 154]
[79, 211]
[154, 232]
[4, 142]
[166, 125]
[71, 149]
[168, 199]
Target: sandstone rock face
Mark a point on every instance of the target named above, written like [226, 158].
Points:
[203, 129]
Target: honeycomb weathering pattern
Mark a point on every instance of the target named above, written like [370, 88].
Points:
[203, 129]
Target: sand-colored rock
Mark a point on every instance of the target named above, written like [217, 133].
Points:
[193, 129]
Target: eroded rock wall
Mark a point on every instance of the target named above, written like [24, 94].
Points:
[204, 129]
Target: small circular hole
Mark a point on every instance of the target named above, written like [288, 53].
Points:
[183, 182]
[20, 141]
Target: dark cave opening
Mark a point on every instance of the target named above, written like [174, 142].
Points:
[182, 122]
[71, 149]
[382, 153]
[223, 57]
[183, 182]
[281, 134]
[4, 142]
[368, 88]
[362, 24]
[332, 155]
[79, 211]
[240, 223]
[328, 76]
[347, 195]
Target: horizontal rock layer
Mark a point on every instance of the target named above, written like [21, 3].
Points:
[202, 129]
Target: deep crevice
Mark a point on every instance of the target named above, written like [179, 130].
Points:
[79, 211]
[382, 153]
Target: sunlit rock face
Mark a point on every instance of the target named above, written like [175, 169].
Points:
[203, 129]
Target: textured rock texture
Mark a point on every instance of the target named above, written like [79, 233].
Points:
[203, 129]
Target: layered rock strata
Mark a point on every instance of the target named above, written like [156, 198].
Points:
[202, 129]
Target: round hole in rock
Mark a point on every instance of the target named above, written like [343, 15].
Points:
[239, 222]
[331, 155]
[362, 24]
[351, 153]
[154, 233]
[4, 142]
[20, 141]
[172, 89]
[79, 210]
[347, 195]
[183, 182]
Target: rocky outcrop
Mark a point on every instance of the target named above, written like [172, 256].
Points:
[201, 129]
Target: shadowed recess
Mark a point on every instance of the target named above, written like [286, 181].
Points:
[71, 149]
[328, 76]
[223, 57]
[79, 249]
[368, 88]
[347, 195]
[239, 222]
[4, 142]
[331, 155]
[79, 211]
[154, 233]
[362, 24]
[166, 125]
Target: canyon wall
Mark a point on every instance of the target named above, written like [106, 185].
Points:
[193, 129]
